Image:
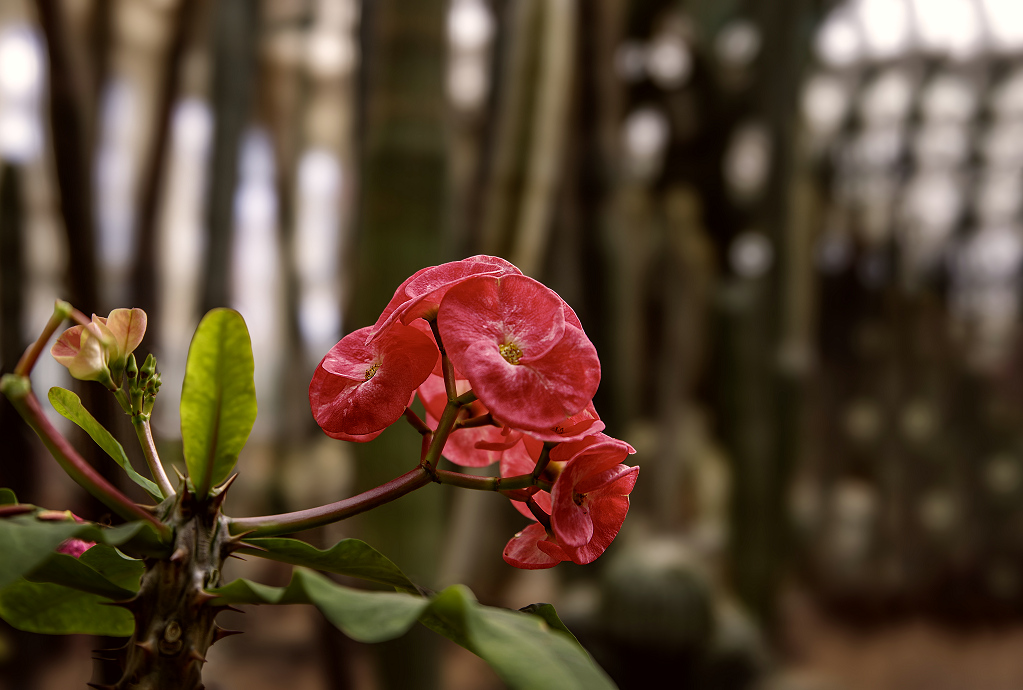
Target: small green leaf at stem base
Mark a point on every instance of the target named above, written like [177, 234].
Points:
[218, 398]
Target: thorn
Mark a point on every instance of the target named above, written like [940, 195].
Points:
[241, 535]
[231, 608]
[147, 647]
[182, 482]
[179, 555]
[202, 597]
[255, 547]
[234, 555]
[220, 633]
[234, 544]
[219, 491]
[194, 655]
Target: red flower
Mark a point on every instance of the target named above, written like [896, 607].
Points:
[590, 507]
[421, 294]
[361, 388]
[510, 339]
[587, 505]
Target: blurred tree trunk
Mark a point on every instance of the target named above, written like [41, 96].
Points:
[234, 39]
[144, 278]
[764, 361]
[402, 223]
[18, 474]
[72, 148]
[71, 126]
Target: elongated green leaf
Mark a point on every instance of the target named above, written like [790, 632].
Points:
[522, 648]
[218, 398]
[350, 557]
[7, 497]
[70, 407]
[57, 610]
[363, 616]
[25, 542]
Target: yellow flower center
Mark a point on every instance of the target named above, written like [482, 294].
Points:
[510, 352]
[371, 371]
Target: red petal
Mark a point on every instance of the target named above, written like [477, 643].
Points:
[512, 309]
[531, 549]
[421, 295]
[575, 428]
[346, 403]
[608, 508]
[538, 395]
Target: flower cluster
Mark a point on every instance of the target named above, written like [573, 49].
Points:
[98, 351]
[480, 325]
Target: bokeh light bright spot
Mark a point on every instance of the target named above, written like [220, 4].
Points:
[20, 64]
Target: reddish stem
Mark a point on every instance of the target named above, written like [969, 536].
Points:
[269, 525]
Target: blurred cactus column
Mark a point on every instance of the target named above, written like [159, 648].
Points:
[535, 98]
[234, 34]
[402, 225]
[765, 337]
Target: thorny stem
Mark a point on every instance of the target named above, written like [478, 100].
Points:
[481, 420]
[270, 525]
[145, 434]
[440, 437]
[447, 367]
[417, 423]
[426, 473]
[61, 310]
[18, 390]
[473, 481]
[542, 517]
[543, 460]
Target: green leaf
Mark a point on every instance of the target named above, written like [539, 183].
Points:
[70, 407]
[85, 573]
[524, 650]
[43, 607]
[26, 542]
[350, 557]
[7, 497]
[550, 616]
[363, 616]
[218, 398]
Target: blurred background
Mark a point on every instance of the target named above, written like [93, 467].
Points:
[792, 228]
